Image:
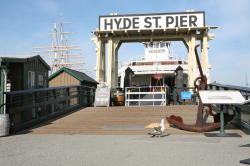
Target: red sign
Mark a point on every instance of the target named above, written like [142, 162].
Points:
[157, 76]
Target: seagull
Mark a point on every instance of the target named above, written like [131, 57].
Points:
[158, 130]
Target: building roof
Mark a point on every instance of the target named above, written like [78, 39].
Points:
[76, 74]
[23, 60]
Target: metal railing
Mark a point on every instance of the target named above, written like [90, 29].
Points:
[149, 95]
[243, 90]
[242, 116]
[27, 108]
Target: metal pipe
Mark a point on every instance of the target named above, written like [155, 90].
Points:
[198, 62]
[222, 129]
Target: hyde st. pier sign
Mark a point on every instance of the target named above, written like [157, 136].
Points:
[152, 21]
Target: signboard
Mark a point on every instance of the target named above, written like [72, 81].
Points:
[221, 97]
[186, 95]
[102, 95]
[152, 21]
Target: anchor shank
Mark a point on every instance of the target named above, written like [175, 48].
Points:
[199, 116]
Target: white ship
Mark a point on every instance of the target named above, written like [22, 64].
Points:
[156, 68]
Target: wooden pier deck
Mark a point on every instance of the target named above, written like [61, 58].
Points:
[119, 121]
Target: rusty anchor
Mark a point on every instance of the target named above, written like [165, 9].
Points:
[200, 124]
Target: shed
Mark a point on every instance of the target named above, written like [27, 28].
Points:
[26, 73]
[66, 76]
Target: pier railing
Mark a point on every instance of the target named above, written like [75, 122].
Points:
[242, 111]
[243, 90]
[27, 108]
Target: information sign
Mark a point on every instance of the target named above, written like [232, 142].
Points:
[221, 97]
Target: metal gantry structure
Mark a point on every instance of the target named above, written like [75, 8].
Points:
[59, 53]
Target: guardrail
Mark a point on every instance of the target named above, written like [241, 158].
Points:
[148, 95]
[243, 90]
[27, 108]
[242, 112]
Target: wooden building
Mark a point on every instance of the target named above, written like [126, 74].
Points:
[66, 76]
[26, 73]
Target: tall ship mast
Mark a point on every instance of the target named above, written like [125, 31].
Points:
[60, 53]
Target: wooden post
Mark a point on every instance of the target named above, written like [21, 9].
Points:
[113, 47]
[100, 59]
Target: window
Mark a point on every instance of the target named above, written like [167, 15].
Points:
[40, 80]
[151, 45]
[162, 45]
[156, 45]
[31, 79]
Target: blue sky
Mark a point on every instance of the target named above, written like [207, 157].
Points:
[26, 23]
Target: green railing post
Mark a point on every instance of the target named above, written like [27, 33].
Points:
[1, 91]
[68, 94]
[34, 110]
[79, 98]
[237, 115]
[54, 105]
[3, 80]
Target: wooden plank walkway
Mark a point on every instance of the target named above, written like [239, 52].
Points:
[118, 120]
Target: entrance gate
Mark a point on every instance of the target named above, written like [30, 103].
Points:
[114, 30]
[142, 96]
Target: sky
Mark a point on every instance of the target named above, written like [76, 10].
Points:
[27, 23]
